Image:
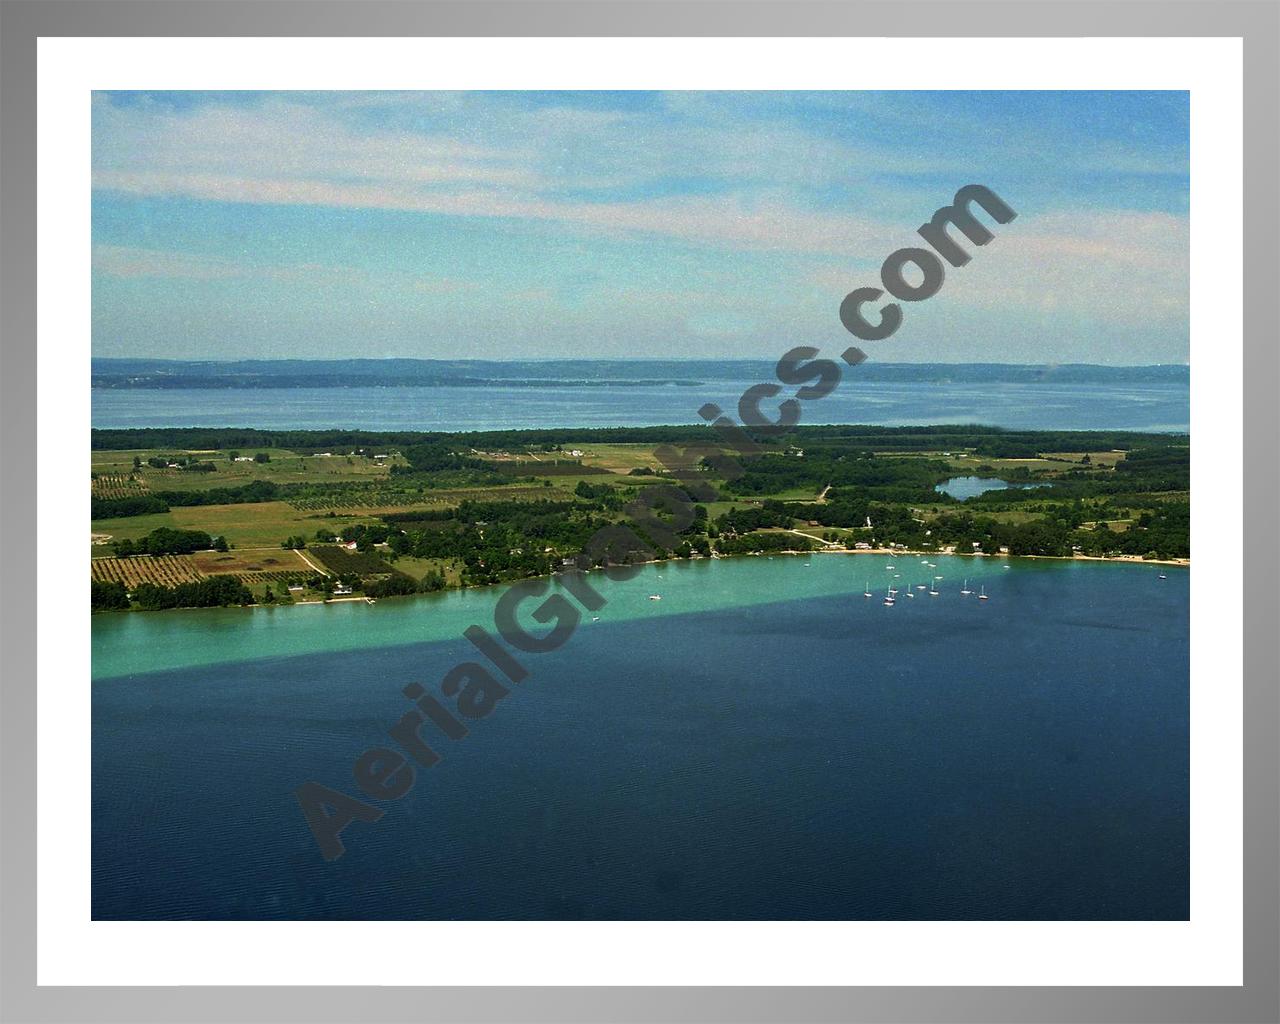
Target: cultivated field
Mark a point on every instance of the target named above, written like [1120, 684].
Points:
[117, 485]
[162, 570]
[342, 562]
[249, 561]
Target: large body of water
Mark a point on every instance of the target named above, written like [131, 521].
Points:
[1158, 406]
[763, 743]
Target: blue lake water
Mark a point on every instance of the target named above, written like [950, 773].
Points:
[764, 743]
[964, 487]
[1150, 406]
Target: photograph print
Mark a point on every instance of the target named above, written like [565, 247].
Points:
[665, 506]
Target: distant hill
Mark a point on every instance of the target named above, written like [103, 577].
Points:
[338, 373]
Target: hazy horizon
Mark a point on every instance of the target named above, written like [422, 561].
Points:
[605, 359]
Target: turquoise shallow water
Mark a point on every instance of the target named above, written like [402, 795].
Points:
[763, 743]
[126, 644]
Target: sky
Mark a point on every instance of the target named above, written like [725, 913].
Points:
[519, 225]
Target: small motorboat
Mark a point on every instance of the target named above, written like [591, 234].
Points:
[655, 597]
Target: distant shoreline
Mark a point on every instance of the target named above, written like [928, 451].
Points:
[114, 374]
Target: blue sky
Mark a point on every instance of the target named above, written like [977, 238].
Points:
[613, 225]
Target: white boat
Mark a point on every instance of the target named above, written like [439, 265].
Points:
[867, 592]
[655, 597]
[1163, 576]
[933, 591]
[922, 586]
[966, 591]
[983, 596]
[888, 598]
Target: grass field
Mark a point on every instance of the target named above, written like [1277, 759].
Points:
[260, 524]
[416, 568]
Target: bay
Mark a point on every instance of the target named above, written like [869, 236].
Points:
[1157, 406]
[762, 743]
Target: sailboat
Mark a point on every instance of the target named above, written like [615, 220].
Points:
[867, 592]
[933, 591]
[910, 592]
[983, 596]
[888, 598]
[966, 591]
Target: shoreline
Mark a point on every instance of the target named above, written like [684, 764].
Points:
[1184, 563]
[1181, 563]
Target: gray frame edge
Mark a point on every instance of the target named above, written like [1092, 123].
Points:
[1256, 21]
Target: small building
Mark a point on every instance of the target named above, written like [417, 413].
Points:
[341, 588]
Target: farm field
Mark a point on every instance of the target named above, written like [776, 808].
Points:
[161, 570]
[341, 562]
[613, 457]
[249, 561]
[118, 485]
